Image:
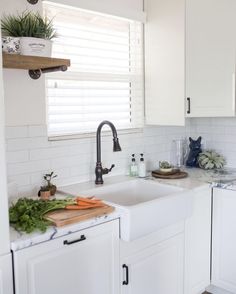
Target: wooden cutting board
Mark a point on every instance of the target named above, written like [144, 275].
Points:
[178, 175]
[64, 217]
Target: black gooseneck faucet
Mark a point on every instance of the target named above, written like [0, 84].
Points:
[99, 170]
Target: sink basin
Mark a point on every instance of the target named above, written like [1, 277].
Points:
[145, 205]
[133, 192]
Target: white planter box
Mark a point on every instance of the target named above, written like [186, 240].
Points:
[36, 47]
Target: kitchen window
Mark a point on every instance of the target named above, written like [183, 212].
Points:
[105, 80]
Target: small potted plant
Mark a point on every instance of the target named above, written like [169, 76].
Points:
[48, 178]
[35, 32]
[44, 193]
[165, 167]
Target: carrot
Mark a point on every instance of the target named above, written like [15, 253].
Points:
[90, 201]
[79, 207]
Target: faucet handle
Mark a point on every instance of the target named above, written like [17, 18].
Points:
[107, 170]
[112, 166]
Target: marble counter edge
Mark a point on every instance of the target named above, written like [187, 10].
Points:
[21, 241]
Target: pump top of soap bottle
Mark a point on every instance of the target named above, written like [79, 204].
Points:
[133, 158]
[142, 167]
[133, 167]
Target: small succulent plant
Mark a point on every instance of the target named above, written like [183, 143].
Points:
[49, 186]
[165, 165]
[210, 159]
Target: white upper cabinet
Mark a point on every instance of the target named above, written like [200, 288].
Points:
[190, 60]
[165, 62]
[210, 58]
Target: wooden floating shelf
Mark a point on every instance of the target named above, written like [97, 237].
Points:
[36, 65]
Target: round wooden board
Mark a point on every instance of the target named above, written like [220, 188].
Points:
[179, 175]
[173, 172]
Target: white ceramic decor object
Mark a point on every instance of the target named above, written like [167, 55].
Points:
[11, 45]
[36, 47]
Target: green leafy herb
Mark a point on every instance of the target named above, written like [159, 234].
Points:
[27, 215]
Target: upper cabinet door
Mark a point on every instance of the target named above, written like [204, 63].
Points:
[165, 62]
[210, 58]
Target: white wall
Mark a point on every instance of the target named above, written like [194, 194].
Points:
[24, 97]
[4, 233]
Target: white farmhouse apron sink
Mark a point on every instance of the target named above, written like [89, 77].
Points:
[145, 205]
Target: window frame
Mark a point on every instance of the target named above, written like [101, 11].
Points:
[131, 130]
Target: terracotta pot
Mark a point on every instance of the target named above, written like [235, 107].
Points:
[44, 195]
[53, 190]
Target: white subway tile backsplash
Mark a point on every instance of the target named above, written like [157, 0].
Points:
[27, 143]
[47, 153]
[37, 131]
[16, 132]
[17, 156]
[27, 167]
[20, 180]
[30, 155]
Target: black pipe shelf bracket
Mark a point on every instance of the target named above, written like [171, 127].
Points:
[33, 2]
[36, 73]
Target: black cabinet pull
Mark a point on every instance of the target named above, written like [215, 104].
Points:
[189, 105]
[82, 238]
[126, 282]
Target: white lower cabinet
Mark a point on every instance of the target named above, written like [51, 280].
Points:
[224, 240]
[6, 280]
[86, 262]
[156, 269]
[198, 244]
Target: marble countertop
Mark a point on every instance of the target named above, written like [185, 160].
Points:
[197, 179]
[22, 240]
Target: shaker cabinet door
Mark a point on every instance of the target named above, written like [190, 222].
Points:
[155, 270]
[210, 58]
[6, 280]
[198, 244]
[85, 262]
[224, 240]
[165, 62]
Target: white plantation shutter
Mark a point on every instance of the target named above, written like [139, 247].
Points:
[105, 80]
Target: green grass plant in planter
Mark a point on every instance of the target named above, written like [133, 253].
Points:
[35, 32]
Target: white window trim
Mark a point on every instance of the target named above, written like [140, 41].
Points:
[105, 133]
[93, 134]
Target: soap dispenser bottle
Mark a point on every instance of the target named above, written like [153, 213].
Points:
[133, 167]
[142, 167]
